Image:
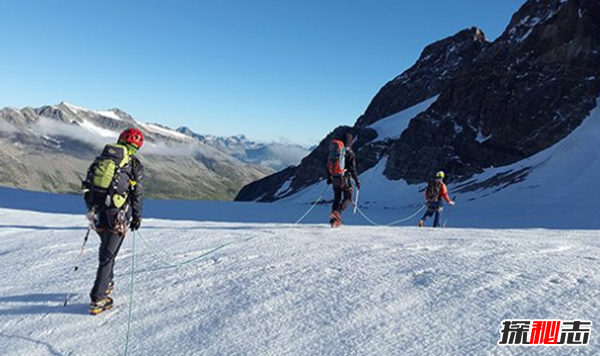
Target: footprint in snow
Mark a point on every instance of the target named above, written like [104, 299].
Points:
[423, 279]
[555, 280]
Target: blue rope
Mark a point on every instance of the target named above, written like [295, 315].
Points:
[155, 253]
[128, 338]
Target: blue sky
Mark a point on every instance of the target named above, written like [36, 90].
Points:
[273, 70]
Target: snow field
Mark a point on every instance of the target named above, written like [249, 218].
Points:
[278, 289]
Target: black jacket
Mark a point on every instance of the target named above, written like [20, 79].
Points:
[137, 191]
[134, 171]
[351, 168]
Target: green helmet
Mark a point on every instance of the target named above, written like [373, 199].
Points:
[440, 174]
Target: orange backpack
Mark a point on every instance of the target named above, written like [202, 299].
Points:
[336, 162]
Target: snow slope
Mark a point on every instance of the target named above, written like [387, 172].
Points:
[277, 289]
[557, 191]
[392, 126]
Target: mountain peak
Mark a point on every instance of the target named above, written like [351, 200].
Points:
[460, 41]
[437, 65]
[533, 14]
[495, 104]
[478, 34]
[185, 130]
[71, 107]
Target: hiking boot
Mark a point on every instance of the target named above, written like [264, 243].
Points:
[336, 214]
[421, 223]
[101, 305]
[335, 219]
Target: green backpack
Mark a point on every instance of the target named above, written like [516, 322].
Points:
[109, 183]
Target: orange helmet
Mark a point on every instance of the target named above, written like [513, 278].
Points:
[132, 136]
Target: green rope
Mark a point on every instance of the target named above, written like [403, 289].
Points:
[128, 338]
[155, 253]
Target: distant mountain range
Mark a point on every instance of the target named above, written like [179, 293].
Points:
[274, 155]
[468, 106]
[49, 149]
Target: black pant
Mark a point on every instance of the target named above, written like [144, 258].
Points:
[109, 247]
[341, 187]
[433, 207]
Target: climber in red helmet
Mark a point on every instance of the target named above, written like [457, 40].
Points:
[113, 192]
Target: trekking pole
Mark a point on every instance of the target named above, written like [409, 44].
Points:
[91, 216]
[85, 239]
[449, 211]
[356, 202]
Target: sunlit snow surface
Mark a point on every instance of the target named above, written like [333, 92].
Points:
[279, 289]
[262, 286]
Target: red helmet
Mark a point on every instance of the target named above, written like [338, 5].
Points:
[132, 136]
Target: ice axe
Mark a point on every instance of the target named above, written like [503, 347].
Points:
[87, 234]
[91, 217]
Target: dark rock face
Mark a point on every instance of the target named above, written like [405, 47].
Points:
[311, 170]
[526, 92]
[437, 66]
[498, 102]
[269, 185]
[434, 70]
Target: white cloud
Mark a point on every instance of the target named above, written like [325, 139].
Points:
[52, 128]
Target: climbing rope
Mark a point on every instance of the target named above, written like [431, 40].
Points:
[392, 223]
[312, 207]
[407, 218]
[366, 217]
[129, 317]
[156, 254]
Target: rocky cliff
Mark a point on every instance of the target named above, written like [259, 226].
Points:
[489, 104]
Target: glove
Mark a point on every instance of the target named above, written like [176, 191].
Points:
[135, 224]
[92, 216]
[452, 203]
[329, 180]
